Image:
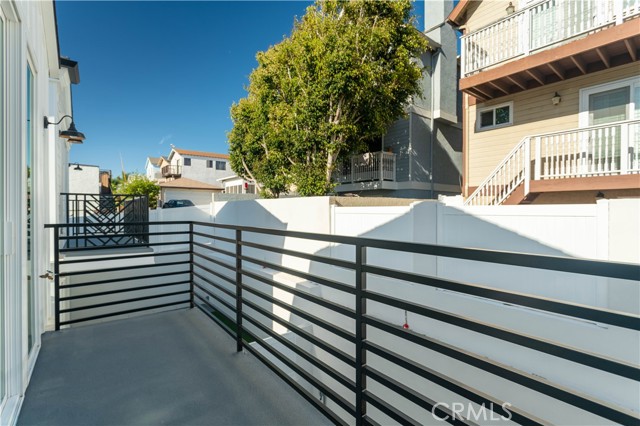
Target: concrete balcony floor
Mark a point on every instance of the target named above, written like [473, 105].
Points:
[174, 368]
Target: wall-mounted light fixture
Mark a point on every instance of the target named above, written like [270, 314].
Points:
[77, 167]
[510, 9]
[600, 195]
[556, 99]
[72, 135]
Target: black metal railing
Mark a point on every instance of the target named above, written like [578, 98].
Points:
[96, 220]
[227, 272]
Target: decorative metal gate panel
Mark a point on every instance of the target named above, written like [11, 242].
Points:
[114, 219]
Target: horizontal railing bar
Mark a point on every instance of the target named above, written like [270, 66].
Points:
[619, 319]
[212, 317]
[214, 284]
[217, 274]
[122, 268]
[296, 386]
[370, 422]
[151, 223]
[216, 261]
[346, 358]
[120, 246]
[335, 307]
[338, 399]
[128, 257]
[539, 384]
[216, 297]
[215, 249]
[119, 235]
[113, 280]
[302, 255]
[453, 385]
[129, 311]
[215, 237]
[415, 397]
[121, 302]
[328, 370]
[347, 335]
[309, 277]
[599, 362]
[388, 409]
[122, 290]
[536, 261]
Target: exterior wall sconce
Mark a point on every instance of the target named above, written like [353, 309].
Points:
[72, 135]
[556, 99]
[510, 9]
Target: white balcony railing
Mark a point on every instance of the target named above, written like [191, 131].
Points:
[538, 26]
[372, 166]
[605, 150]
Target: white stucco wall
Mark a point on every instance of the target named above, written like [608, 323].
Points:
[197, 196]
[85, 181]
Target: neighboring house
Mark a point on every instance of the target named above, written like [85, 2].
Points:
[201, 166]
[153, 168]
[551, 100]
[187, 189]
[420, 155]
[36, 86]
[237, 185]
[84, 179]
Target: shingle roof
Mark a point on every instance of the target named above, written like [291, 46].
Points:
[187, 183]
[201, 153]
[155, 160]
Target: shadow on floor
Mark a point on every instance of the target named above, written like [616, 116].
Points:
[175, 368]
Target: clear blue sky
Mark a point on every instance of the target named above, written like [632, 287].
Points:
[155, 73]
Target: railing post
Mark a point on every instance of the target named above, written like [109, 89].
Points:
[56, 276]
[526, 32]
[527, 165]
[191, 297]
[381, 164]
[361, 333]
[238, 290]
[624, 148]
[537, 162]
[617, 10]
[353, 167]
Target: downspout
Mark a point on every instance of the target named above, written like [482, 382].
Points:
[433, 121]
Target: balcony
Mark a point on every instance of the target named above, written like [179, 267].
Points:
[526, 34]
[608, 155]
[171, 171]
[350, 334]
[363, 169]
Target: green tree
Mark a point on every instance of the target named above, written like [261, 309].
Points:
[137, 184]
[341, 78]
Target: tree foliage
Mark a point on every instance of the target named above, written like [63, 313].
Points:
[342, 77]
[137, 184]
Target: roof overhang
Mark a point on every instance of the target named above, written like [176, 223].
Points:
[611, 47]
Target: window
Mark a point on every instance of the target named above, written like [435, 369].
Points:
[209, 164]
[221, 165]
[187, 161]
[611, 102]
[495, 116]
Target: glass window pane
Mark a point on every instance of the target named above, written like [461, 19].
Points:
[486, 118]
[502, 115]
[608, 106]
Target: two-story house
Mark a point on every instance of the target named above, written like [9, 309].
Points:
[420, 155]
[551, 100]
[193, 175]
[153, 168]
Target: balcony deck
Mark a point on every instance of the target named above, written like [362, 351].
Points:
[169, 368]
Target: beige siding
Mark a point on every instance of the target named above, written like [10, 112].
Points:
[533, 113]
[483, 13]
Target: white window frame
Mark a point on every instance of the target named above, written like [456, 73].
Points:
[583, 116]
[479, 111]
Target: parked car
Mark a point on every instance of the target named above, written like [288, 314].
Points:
[177, 203]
